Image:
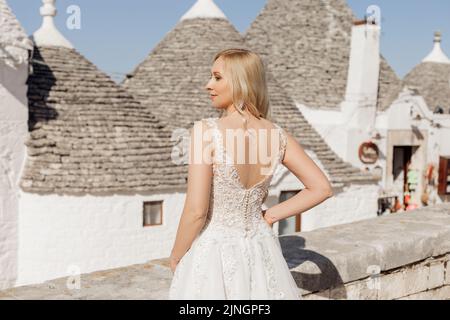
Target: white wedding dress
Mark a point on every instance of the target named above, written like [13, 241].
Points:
[236, 255]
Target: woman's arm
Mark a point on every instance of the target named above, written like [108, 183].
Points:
[198, 191]
[317, 187]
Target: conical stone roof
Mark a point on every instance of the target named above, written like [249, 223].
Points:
[432, 78]
[307, 46]
[88, 135]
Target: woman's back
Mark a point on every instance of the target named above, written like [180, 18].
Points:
[252, 148]
[235, 203]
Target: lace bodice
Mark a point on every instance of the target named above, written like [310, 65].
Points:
[234, 210]
[237, 254]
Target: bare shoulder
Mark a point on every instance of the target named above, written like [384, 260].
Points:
[267, 123]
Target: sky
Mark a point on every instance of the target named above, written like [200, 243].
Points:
[117, 35]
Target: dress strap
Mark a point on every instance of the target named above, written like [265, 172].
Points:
[283, 143]
[216, 138]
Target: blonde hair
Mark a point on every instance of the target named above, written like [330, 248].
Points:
[246, 71]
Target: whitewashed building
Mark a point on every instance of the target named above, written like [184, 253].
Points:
[172, 79]
[88, 182]
[15, 48]
[329, 62]
[416, 128]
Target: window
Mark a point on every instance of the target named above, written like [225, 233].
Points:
[444, 176]
[152, 215]
[291, 224]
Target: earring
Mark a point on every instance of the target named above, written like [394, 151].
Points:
[242, 107]
[244, 120]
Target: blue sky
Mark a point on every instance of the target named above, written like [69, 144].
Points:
[118, 35]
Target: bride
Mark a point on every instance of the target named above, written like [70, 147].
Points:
[225, 247]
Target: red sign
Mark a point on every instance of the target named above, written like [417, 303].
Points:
[368, 152]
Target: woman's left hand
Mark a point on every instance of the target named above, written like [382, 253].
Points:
[264, 217]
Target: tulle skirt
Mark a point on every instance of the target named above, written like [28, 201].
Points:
[217, 267]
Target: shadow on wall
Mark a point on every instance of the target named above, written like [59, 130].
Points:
[40, 83]
[294, 253]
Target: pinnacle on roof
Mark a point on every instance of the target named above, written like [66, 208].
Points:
[430, 78]
[437, 55]
[48, 34]
[204, 9]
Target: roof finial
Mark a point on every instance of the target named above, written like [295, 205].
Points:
[437, 36]
[48, 34]
[437, 55]
[204, 9]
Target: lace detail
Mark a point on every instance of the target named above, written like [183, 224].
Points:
[249, 253]
[229, 265]
[233, 208]
[271, 281]
[234, 226]
[200, 266]
[283, 144]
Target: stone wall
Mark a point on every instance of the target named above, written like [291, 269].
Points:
[400, 256]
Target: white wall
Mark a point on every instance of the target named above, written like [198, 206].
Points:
[439, 142]
[438, 145]
[58, 234]
[329, 124]
[343, 139]
[352, 203]
[13, 133]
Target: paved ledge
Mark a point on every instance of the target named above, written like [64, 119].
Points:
[148, 281]
[356, 260]
[400, 256]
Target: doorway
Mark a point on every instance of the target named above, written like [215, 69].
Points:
[405, 179]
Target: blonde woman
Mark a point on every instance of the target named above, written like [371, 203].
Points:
[225, 247]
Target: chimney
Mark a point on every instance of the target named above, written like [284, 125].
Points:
[363, 72]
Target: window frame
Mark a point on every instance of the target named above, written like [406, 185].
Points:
[444, 174]
[153, 202]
